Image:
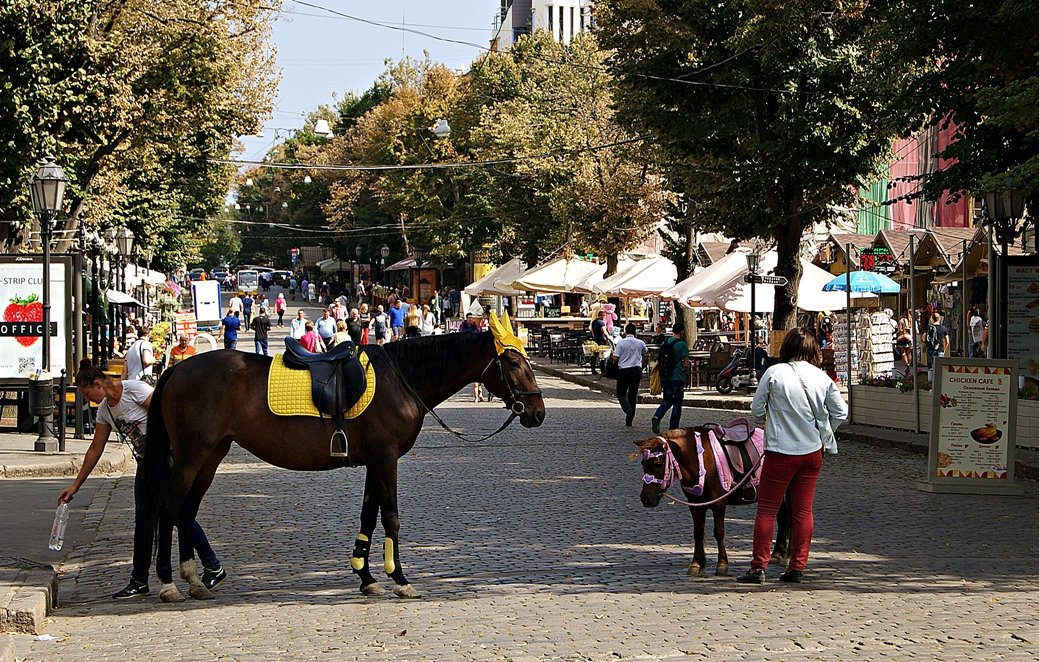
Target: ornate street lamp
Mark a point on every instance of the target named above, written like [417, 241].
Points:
[1003, 209]
[753, 262]
[47, 189]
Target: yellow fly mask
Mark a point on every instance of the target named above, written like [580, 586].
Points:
[504, 338]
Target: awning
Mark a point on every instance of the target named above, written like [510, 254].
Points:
[559, 275]
[115, 297]
[721, 286]
[646, 277]
[506, 273]
[333, 264]
[403, 265]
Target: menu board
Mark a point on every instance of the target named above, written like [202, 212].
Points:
[973, 427]
[1022, 302]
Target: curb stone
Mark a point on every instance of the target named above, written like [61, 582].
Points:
[106, 465]
[31, 597]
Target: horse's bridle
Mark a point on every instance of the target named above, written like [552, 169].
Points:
[514, 403]
[673, 471]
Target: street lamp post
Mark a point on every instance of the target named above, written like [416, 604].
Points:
[47, 190]
[753, 261]
[1004, 209]
[384, 253]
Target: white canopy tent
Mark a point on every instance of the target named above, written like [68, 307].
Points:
[115, 297]
[721, 285]
[559, 275]
[497, 281]
[645, 277]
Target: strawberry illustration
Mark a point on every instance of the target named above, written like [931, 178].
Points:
[29, 309]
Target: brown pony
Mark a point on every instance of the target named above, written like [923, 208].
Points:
[680, 444]
[202, 405]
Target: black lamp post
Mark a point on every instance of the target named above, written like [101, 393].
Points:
[47, 190]
[1003, 209]
[753, 261]
[384, 253]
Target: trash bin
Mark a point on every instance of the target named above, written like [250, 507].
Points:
[41, 397]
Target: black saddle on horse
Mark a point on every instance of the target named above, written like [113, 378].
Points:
[742, 457]
[336, 377]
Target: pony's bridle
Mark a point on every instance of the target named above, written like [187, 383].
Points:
[513, 403]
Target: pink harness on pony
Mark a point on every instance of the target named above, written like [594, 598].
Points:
[738, 429]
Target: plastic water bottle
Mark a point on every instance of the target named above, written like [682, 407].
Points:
[61, 518]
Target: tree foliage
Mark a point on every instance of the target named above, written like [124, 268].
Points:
[976, 66]
[767, 115]
[133, 97]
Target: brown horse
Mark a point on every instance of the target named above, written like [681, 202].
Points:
[674, 457]
[202, 405]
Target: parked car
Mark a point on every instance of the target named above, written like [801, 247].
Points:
[219, 276]
[281, 278]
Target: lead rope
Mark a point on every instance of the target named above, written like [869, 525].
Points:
[731, 491]
[512, 416]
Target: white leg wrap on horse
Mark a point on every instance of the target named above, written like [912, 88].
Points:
[188, 570]
[387, 556]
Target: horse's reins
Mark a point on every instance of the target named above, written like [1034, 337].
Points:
[515, 409]
[672, 469]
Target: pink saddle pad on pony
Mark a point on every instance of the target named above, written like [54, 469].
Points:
[738, 429]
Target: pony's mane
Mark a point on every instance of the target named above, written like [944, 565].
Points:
[430, 358]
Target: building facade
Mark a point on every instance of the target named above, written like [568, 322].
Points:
[561, 18]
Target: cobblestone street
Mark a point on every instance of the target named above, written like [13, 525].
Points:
[534, 545]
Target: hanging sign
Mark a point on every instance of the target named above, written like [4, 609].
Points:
[878, 259]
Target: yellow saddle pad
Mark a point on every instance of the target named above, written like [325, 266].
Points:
[288, 391]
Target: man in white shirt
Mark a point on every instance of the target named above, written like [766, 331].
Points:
[628, 354]
[236, 305]
[140, 357]
[298, 326]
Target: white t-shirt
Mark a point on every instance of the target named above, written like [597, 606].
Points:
[629, 352]
[137, 355]
[236, 304]
[977, 327]
[428, 323]
[128, 418]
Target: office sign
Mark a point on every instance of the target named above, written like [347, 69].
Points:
[21, 317]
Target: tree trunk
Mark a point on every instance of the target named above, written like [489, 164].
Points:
[788, 249]
[611, 265]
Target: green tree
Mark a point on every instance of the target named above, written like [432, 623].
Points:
[135, 98]
[976, 65]
[767, 115]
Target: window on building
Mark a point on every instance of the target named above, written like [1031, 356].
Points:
[560, 25]
[551, 15]
[571, 22]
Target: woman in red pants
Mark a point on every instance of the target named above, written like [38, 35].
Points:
[801, 405]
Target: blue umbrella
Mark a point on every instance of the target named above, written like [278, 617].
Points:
[863, 281]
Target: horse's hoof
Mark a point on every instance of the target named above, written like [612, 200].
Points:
[722, 571]
[406, 591]
[200, 592]
[695, 570]
[169, 593]
[373, 589]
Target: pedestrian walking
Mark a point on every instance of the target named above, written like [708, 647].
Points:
[123, 407]
[801, 406]
[140, 357]
[976, 327]
[247, 310]
[298, 326]
[229, 327]
[672, 361]
[937, 343]
[261, 327]
[310, 339]
[279, 307]
[629, 354]
[325, 326]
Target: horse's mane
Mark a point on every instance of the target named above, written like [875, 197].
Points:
[431, 358]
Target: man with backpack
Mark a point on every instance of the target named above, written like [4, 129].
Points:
[937, 343]
[672, 360]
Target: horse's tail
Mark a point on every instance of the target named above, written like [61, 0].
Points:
[156, 461]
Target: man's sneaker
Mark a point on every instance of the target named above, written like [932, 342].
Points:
[213, 578]
[134, 589]
[629, 418]
[752, 577]
[656, 425]
[792, 576]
